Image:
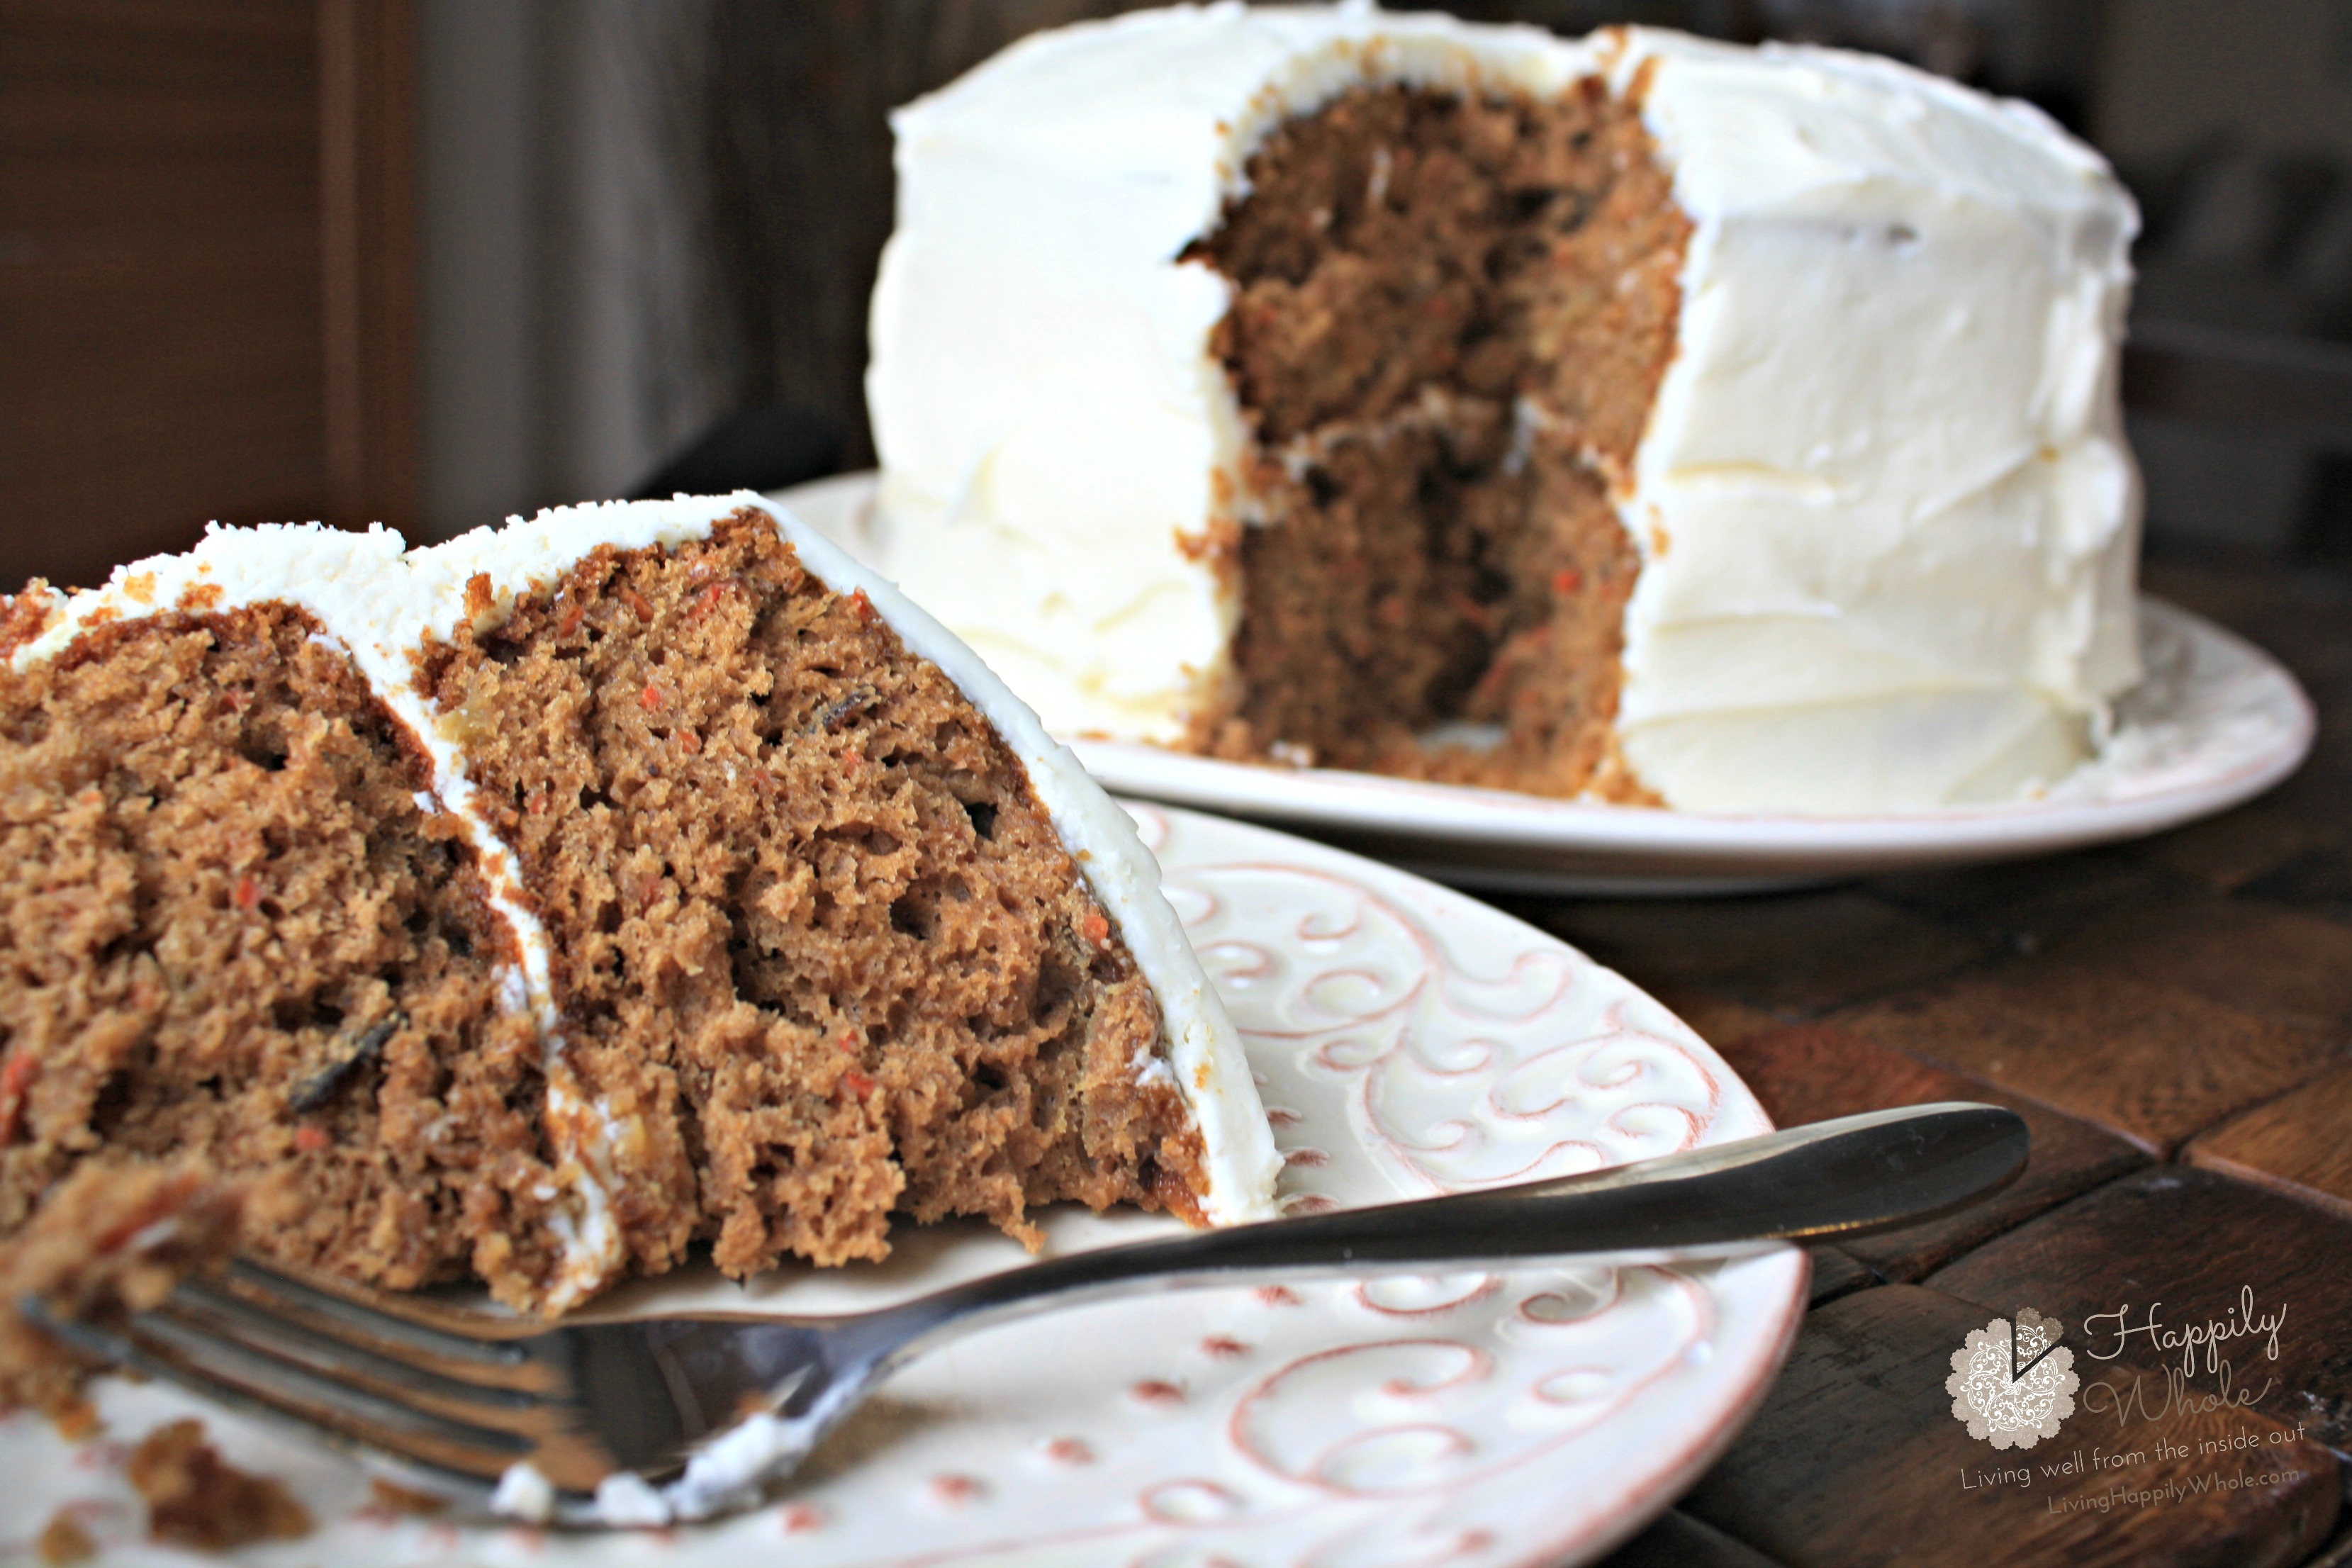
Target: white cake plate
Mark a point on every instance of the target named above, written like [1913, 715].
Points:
[1410, 1041]
[2216, 723]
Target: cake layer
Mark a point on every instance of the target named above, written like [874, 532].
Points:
[368, 611]
[1879, 495]
[817, 950]
[489, 570]
[236, 933]
[1450, 318]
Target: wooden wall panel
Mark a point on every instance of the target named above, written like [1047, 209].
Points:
[164, 274]
[367, 72]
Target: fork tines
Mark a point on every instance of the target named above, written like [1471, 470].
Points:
[455, 1409]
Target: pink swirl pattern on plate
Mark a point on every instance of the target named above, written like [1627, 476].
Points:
[1410, 1042]
[1458, 1070]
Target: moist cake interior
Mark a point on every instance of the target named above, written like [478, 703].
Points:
[1451, 316]
[817, 947]
[232, 936]
[819, 956]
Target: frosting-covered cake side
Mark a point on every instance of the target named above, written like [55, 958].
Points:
[1060, 446]
[1888, 519]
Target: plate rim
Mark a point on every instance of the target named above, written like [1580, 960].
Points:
[1640, 1506]
[1348, 798]
[1415, 821]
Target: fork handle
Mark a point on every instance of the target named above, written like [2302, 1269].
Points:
[1850, 1176]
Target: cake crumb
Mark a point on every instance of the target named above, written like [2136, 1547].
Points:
[65, 1541]
[194, 1497]
[391, 1499]
[77, 1421]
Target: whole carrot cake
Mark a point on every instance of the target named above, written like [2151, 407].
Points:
[1629, 417]
[552, 900]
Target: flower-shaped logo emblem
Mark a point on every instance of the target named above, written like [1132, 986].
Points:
[2013, 1386]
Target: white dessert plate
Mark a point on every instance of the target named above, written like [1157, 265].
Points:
[2216, 723]
[1410, 1040]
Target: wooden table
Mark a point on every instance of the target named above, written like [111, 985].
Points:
[2172, 1018]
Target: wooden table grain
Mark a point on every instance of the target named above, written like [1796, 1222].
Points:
[2174, 1019]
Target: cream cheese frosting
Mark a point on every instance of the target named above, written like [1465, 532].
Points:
[1886, 516]
[382, 602]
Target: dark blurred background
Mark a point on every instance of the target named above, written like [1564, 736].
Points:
[435, 261]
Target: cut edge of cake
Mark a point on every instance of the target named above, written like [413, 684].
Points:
[382, 604]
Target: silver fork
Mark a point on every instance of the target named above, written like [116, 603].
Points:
[646, 1422]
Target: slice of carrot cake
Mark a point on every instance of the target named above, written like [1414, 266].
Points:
[556, 899]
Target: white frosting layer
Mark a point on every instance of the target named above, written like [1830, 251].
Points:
[382, 603]
[1887, 518]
